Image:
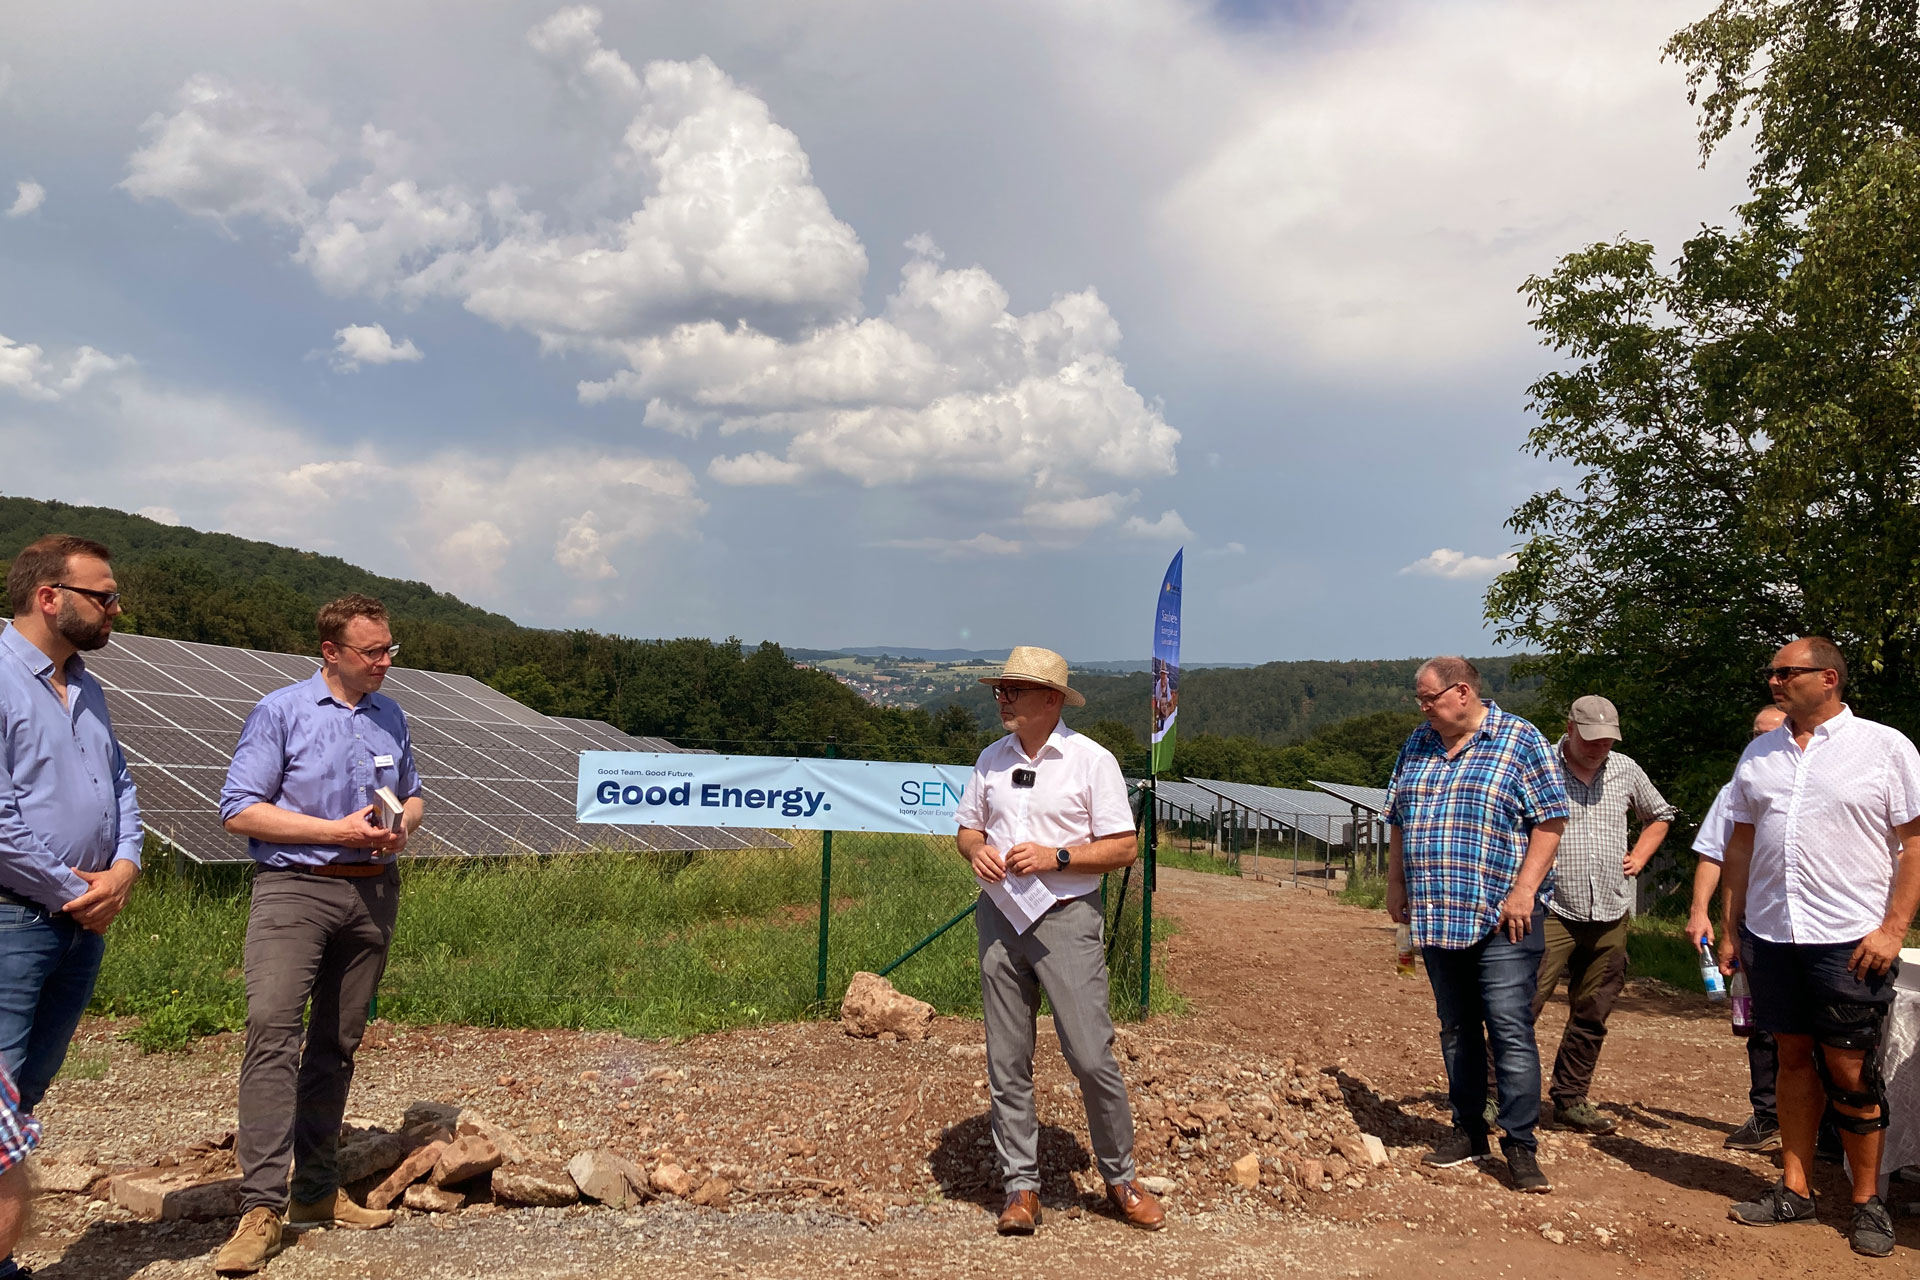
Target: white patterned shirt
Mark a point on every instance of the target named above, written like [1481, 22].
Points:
[1077, 796]
[1824, 846]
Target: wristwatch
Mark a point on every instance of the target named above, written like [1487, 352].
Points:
[1061, 857]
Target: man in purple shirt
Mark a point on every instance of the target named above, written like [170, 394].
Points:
[304, 788]
[69, 823]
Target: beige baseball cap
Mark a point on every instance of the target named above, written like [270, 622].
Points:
[1594, 717]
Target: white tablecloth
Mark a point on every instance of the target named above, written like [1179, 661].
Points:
[1900, 1065]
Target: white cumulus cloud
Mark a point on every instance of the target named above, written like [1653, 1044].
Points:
[1078, 515]
[31, 195]
[359, 344]
[1444, 562]
[26, 371]
[1168, 526]
[729, 300]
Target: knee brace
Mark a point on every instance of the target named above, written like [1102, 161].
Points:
[1873, 1095]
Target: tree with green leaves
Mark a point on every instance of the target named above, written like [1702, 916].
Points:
[1745, 420]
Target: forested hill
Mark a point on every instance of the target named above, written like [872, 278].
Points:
[1275, 703]
[218, 589]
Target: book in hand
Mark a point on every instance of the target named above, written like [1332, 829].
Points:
[387, 808]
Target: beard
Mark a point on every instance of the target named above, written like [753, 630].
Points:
[79, 632]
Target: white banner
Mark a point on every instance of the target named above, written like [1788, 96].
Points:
[684, 790]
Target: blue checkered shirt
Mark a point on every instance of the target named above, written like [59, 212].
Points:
[1464, 823]
[19, 1132]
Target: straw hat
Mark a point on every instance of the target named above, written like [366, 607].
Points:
[1038, 666]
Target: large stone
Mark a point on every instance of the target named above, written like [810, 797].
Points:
[1245, 1172]
[68, 1176]
[1376, 1150]
[544, 1185]
[1354, 1148]
[1212, 1112]
[474, 1125]
[670, 1179]
[607, 1178]
[713, 1193]
[366, 1154]
[1158, 1185]
[163, 1195]
[1312, 1174]
[872, 1006]
[428, 1199]
[415, 1167]
[464, 1159]
[445, 1114]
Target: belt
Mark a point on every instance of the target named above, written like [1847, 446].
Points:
[22, 900]
[347, 870]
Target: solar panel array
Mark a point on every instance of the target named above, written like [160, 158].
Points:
[499, 777]
[1373, 799]
[1309, 812]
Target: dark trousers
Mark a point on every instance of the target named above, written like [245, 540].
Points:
[315, 944]
[1592, 954]
[1763, 1070]
[1484, 996]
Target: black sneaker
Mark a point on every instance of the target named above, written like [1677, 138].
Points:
[1872, 1229]
[1525, 1170]
[1755, 1135]
[1775, 1206]
[1460, 1147]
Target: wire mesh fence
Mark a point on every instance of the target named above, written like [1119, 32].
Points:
[648, 943]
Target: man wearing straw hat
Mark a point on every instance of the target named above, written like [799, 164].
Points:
[1044, 817]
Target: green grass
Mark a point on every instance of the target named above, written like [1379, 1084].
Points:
[1365, 891]
[648, 944]
[1658, 947]
[1195, 860]
[81, 1065]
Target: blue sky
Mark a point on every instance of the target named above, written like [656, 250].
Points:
[934, 325]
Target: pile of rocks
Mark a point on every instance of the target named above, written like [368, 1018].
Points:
[441, 1159]
[1287, 1127]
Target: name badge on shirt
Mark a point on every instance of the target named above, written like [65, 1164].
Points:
[383, 762]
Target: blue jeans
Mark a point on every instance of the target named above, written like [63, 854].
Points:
[47, 968]
[1484, 994]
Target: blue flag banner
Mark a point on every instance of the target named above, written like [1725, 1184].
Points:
[683, 790]
[1166, 665]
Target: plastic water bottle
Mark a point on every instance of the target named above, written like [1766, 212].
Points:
[1710, 974]
[1403, 950]
[1742, 1002]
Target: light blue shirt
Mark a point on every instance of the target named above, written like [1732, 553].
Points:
[305, 751]
[66, 799]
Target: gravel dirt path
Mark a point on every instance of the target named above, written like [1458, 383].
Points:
[855, 1155]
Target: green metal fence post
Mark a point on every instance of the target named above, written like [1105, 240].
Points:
[1146, 903]
[826, 903]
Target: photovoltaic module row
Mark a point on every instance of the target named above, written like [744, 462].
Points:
[499, 777]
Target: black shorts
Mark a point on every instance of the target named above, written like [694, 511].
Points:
[1804, 989]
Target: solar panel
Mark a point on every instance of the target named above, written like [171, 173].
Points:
[499, 776]
[1370, 798]
[1304, 811]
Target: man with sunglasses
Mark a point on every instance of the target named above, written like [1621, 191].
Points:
[304, 789]
[1049, 803]
[1477, 807]
[69, 820]
[1822, 880]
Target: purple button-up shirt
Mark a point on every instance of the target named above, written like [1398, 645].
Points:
[66, 799]
[304, 750]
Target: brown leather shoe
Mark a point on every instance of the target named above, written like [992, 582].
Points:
[253, 1244]
[1136, 1205]
[1021, 1215]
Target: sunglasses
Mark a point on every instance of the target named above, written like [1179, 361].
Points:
[1784, 674]
[106, 599]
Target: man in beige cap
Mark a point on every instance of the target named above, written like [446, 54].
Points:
[1043, 818]
[1586, 924]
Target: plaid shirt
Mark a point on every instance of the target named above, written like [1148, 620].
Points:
[19, 1132]
[1464, 823]
[1590, 882]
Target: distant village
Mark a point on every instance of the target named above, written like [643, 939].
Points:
[901, 682]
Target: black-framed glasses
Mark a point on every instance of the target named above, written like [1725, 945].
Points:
[1426, 700]
[1008, 692]
[373, 652]
[105, 599]
[1784, 674]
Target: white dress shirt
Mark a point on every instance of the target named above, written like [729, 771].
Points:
[1824, 848]
[1077, 796]
[1710, 842]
